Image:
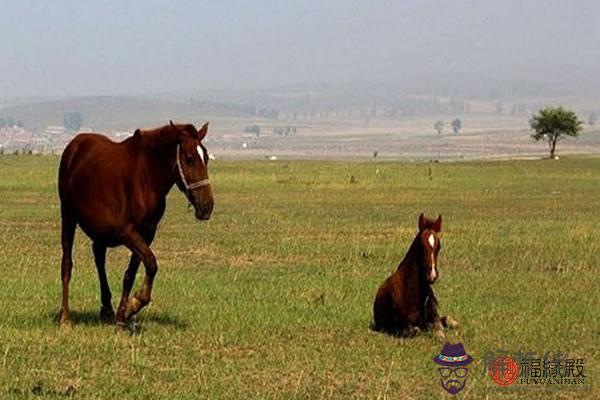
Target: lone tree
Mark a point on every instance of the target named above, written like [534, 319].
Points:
[439, 127]
[73, 121]
[456, 125]
[554, 124]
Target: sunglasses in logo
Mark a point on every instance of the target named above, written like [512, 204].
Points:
[459, 372]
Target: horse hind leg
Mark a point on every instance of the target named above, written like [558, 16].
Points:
[107, 313]
[67, 237]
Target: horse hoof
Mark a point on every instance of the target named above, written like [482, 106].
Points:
[412, 331]
[440, 335]
[133, 307]
[121, 326]
[64, 323]
[63, 319]
[450, 322]
[107, 315]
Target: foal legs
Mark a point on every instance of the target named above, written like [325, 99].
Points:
[140, 251]
[106, 312]
[432, 318]
[67, 236]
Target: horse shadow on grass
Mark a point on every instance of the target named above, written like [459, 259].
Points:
[136, 325]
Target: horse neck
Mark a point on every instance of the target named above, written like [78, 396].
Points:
[157, 163]
[413, 263]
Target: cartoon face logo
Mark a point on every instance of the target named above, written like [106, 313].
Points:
[453, 360]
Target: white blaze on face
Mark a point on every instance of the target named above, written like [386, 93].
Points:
[431, 242]
[200, 153]
[433, 273]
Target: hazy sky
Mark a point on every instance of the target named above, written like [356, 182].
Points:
[106, 47]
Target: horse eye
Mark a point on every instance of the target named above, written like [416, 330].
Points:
[189, 159]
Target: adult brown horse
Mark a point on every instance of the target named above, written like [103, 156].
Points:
[405, 303]
[116, 193]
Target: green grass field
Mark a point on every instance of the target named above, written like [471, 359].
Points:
[272, 298]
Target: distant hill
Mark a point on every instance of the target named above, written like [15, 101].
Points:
[434, 95]
[118, 112]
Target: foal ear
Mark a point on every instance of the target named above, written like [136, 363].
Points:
[422, 222]
[202, 132]
[437, 225]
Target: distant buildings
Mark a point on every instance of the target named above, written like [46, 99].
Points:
[14, 138]
[53, 139]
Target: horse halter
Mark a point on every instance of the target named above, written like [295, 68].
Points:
[189, 186]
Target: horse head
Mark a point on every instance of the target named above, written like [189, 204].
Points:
[429, 234]
[192, 165]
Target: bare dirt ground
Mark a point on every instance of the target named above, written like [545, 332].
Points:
[482, 137]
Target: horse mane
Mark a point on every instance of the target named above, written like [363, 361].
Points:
[161, 136]
[158, 136]
[415, 251]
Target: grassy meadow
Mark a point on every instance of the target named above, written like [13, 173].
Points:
[272, 298]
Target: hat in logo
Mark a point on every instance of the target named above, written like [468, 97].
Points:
[453, 355]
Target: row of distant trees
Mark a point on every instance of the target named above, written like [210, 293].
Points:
[277, 130]
[71, 121]
[515, 109]
[10, 122]
[456, 126]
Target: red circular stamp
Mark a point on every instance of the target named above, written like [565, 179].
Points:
[504, 370]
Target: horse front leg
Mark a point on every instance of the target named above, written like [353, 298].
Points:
[432, 318]
[140, 248]
[411, 323]
[128, 280]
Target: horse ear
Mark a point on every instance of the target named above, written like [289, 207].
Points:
[171, 123]
[437, 225]
[202, 132]
[421, 222]
[137, 133]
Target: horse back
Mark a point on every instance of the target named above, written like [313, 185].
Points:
[91, 159]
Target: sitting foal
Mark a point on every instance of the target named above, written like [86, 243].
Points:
[405, 303]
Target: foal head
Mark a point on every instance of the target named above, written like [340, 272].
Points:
[192, 166]
[430, 241]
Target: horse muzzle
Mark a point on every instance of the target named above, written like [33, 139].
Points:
[204, 212]
[432, 275]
